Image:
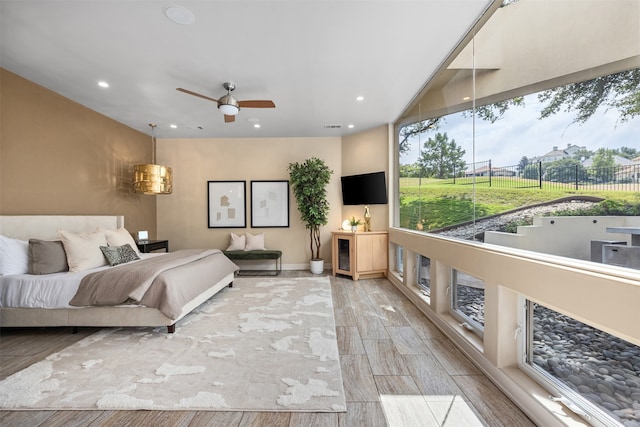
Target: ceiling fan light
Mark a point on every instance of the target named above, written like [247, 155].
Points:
[228, 105]
[228, 109]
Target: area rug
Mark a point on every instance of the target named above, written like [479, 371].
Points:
[266, 344]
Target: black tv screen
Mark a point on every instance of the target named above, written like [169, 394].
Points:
[364, 189]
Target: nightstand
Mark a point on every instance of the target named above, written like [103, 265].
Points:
[146, 246]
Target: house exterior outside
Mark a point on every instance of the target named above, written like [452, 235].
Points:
[558, 154]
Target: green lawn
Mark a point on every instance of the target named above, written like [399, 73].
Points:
[437, 204]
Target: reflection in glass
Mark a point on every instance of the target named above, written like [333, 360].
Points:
[344, 255]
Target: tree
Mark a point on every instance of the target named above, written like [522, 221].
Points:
[410, 171]
[582, 153]
[524, 161]
[620, 91]
[440, 158]
[603, 165]
[413, 129]
[531, 171]
[627, 152]
[565, 170]
[495, 111]
[309, 181]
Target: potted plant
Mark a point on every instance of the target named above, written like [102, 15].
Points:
[354, 223]
[309, 182]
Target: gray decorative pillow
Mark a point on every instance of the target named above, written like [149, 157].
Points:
[47, 257]
[119, 254]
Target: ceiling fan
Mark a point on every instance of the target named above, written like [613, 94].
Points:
[229, 105]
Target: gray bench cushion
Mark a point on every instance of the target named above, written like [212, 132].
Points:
[253, 255]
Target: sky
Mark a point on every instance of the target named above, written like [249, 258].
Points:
[520, 133]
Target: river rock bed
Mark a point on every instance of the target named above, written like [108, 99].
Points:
[497, 223]
[602, 368]
[471, 302]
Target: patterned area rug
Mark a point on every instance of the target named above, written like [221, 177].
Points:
[267, 344]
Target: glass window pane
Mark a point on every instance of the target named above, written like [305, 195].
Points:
[592, 365]
[424, 274]
[549, 120]
[467, 299]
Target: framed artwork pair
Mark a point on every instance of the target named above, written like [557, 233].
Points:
[227, 204]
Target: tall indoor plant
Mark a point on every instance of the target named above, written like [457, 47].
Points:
[309, 181]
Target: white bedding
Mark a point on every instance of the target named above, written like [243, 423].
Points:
[46, 290]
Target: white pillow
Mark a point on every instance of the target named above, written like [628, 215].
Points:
[13, 257]
[83, 250]
[121, 237]
[236, 243]
[255, 243]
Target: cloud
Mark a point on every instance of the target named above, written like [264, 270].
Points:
[520, 133]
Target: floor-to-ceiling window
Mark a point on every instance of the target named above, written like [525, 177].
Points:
[539, 110]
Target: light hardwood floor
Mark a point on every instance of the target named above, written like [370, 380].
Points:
[397, 367]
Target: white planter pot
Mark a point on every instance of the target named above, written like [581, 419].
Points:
[317, 266]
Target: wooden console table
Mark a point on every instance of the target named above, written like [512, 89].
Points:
[360, 253]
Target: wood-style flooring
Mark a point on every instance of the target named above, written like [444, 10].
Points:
[397, 367]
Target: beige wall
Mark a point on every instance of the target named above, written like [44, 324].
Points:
[367, 152]
[182, 216]
[58, 157]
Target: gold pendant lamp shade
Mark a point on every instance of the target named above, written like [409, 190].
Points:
[152, 178]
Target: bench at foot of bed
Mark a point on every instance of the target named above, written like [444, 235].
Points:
[256, 256]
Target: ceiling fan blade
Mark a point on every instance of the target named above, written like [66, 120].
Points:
[196, 94]
[257, 104]
[229, 119]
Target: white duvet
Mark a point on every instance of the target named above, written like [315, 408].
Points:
[45, 290]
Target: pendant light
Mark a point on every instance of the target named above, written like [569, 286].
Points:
[151, 178]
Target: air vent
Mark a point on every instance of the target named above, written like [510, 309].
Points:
[333, 126]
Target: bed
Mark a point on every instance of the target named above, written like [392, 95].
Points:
[213, 272]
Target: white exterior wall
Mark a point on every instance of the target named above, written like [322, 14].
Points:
[568, 236]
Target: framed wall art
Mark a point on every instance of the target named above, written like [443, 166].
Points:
[269, 204]
[226, 204]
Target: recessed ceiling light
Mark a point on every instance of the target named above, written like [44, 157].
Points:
[102, 83]
[180, 15]
[360, 98]
[173, 126]
[256, 125]
[350, 126]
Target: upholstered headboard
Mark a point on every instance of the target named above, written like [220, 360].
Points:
[46, 227]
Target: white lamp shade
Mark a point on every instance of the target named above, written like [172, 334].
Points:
[229, 110]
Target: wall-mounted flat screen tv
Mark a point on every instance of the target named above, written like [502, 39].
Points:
[364, 189]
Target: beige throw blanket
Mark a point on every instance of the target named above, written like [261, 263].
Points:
[165, 282]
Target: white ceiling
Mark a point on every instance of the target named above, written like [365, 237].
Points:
[311, 57]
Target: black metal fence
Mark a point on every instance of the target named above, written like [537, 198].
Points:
[537, 175]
